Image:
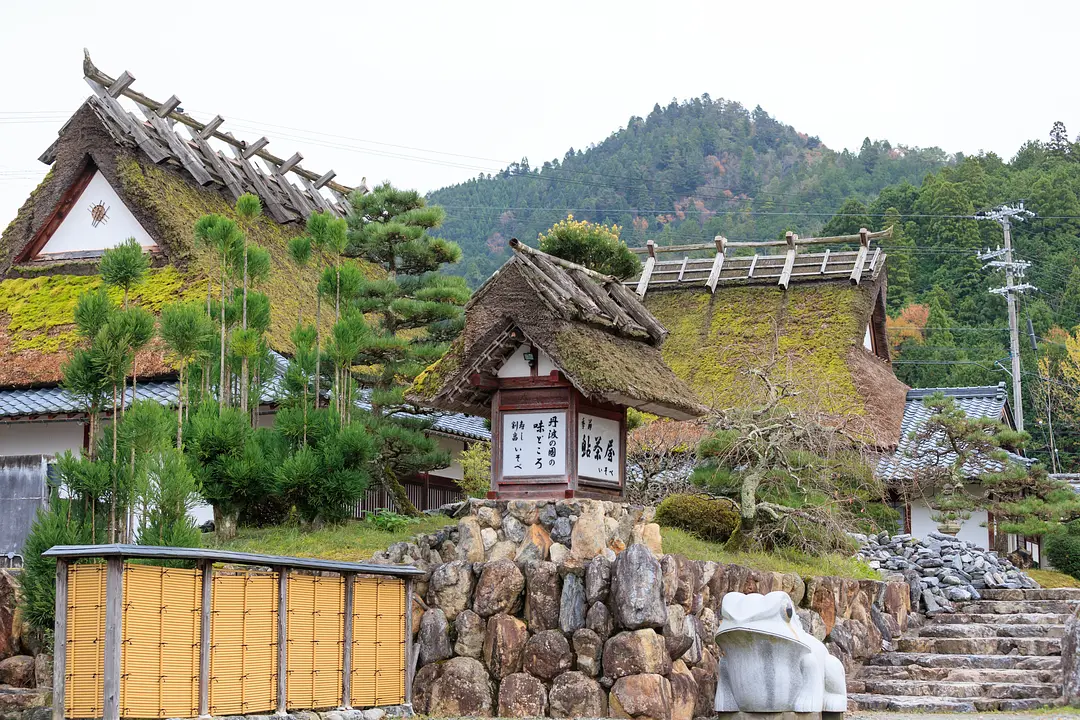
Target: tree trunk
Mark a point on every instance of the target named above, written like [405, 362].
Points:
[318, 345]
[221, 382]
[397, 491]
[180, 409]
[112, 500]
[244, 360]
[224, 524]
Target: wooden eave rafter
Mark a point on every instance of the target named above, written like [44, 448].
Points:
[724, 268]
[157, 137]
[59, 213]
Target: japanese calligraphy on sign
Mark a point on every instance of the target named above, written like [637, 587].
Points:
[599, 443]
[534, 444]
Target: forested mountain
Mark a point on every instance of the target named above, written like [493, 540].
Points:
[946, 327]
[687, 172]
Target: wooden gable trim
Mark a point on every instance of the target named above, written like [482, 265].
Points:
[879, 336]
[59, 213]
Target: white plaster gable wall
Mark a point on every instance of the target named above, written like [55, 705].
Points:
[41, 438]
[517, 366]
[77, 232]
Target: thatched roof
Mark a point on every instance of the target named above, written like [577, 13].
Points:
[809, 336]
[38, 295]
[600, 336]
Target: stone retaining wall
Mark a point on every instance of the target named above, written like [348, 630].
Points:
[571, 609]
[25, 667]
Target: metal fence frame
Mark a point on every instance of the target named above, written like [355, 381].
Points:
[115, 555]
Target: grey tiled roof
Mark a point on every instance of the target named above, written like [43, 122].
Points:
[986, 401]
[57, 401]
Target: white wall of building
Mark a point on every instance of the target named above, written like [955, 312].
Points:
[78, 233]
[41, 438]
[454, 447]
[973, 530]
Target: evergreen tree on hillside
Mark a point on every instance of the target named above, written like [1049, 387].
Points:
[851, 217]
[416, 312]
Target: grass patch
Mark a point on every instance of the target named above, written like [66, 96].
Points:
[352, 541]
[683, 543]
[1053, 579]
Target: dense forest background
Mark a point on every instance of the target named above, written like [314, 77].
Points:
[703, 167]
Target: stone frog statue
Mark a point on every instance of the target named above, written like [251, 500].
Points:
[769, 663]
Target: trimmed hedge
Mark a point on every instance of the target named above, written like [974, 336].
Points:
[1063, 551]
[711, 520]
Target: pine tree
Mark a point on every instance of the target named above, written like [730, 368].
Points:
[185, 329]
[220, 234]
[417, 313]
[901, 255]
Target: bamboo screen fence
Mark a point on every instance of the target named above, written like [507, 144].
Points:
[161, 630]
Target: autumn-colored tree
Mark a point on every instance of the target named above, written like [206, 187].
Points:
[908, 325]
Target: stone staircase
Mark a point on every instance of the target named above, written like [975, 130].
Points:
[1002, 652]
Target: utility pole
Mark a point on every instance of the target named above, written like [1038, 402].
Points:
[1004, 215]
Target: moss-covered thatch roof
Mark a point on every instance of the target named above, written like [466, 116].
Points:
[37, 300]
[609, 351]
[809, 337]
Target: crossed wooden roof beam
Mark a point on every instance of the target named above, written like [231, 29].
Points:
[725, 267]
[157, 138]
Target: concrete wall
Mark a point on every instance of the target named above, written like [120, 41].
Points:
[41, 438]
[974, 529]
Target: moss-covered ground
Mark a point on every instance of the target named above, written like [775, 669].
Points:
[1053, 579]
[683, 543]
[352, 541]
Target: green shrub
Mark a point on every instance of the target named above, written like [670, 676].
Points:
[712, 520]
[1063, 550]
[388, 521]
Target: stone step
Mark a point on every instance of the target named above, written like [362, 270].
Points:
[1072, 594]
[1016, 619]
[953, 674]
[986, 691]
[922, 704]
[1011, 607]
[987, 630]
[981, 646]
[988, 662]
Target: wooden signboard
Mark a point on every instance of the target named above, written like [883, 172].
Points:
[551, 442]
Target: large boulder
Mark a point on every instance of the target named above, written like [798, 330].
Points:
[470, 546]
[634, 652]
[534, 548]
[823, 597]
[461, 688]
[469, 629]
[526, 512]
[423, 682]
[576, 695]
[588, 647]
[641, 697]
[504, 645]
[589, 537]
[572, 605]
[17, 671]
[9, 601]
[450, 588]
[542, 596]
[513, 528]
[678, 631]
[522, 696]
[705, 677]
[1070, 659]
[636, 590]
[599, 620]
[547, 655]
[434, 637]
[597, 579]
[684, 692]
[499, 589]
[43, 670]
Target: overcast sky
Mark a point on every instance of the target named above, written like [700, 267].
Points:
[428, 94]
